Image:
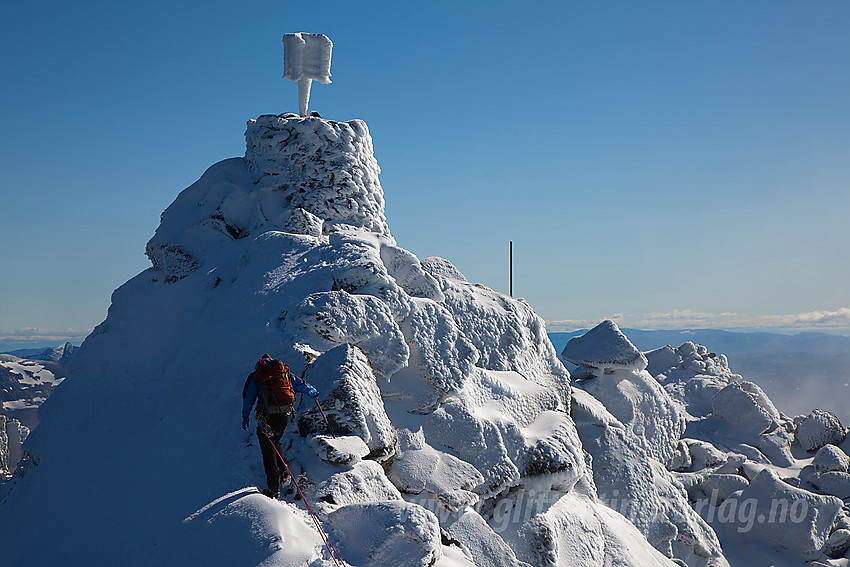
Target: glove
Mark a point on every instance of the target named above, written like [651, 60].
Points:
[313, 392]
[245, 423]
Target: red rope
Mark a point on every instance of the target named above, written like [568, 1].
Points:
[331, 549]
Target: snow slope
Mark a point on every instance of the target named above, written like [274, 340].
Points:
[454, 442]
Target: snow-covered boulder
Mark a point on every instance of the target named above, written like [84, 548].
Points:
[574, 531]
[837, 543]
[637, 401]
[744, 405]
[704, 454]
[479, 540]
[350, 399]
[806, 519]
[834, 483]
[364, 482]
[394, 532]
[681, 459]
[343, 450]
[332, 318]
[418, 467]
[819, 428]
[604, 347]
[721, 486]
[831, 458]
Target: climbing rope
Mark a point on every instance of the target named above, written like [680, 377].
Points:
[331, 549]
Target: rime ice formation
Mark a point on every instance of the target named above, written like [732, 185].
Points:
[604, 347]
[306, 58]
[630, 447]
[819, 428]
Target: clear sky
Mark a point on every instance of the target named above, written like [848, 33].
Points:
[672, 164]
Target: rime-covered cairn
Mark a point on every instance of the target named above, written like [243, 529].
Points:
[454, 443]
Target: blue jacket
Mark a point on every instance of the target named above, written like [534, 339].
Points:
[251, 392]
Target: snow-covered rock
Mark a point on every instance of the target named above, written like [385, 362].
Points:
[576, 532]
[721, 486]
[819, 428]
[12, 436]
[418, 467]
[834, 483]
[352, 404]
[478, 539]
[409, 534]
[781, 516]
[604, 347]
[837, 543]
[691, 375]
[637, 401]
[343, 450]
[364, 482]
[744, 405]
[831, 458]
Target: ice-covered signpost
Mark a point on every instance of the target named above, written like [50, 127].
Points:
[306, 58]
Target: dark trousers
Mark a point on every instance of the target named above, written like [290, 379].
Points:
[271, 461]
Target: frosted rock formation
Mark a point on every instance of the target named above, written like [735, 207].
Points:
[12, 436]
[296, 173]
[819, 428]
[352, 402]
[410, 534]
[630, 437]
[775, 501]
[834, 483]
[744, 405]
[626, 390]
[830, 458]
[604, 347]
[419, 468]
[364, 482]
[691, 375]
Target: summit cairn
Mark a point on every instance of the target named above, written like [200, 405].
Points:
[306, 58]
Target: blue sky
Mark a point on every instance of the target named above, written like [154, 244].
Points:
[669, 164]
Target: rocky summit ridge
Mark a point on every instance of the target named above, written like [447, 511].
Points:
[456, 437]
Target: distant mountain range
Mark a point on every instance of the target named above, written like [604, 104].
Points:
[61, 354]
[27, 378]
[799, 372]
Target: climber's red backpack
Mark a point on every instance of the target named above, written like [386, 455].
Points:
[274, 385]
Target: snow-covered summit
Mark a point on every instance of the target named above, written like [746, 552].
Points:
[286, 251]
[299, 175]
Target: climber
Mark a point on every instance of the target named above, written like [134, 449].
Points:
[272, 387]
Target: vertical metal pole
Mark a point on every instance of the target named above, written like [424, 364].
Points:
[511, 262]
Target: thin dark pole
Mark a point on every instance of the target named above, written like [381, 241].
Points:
[511, 262]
